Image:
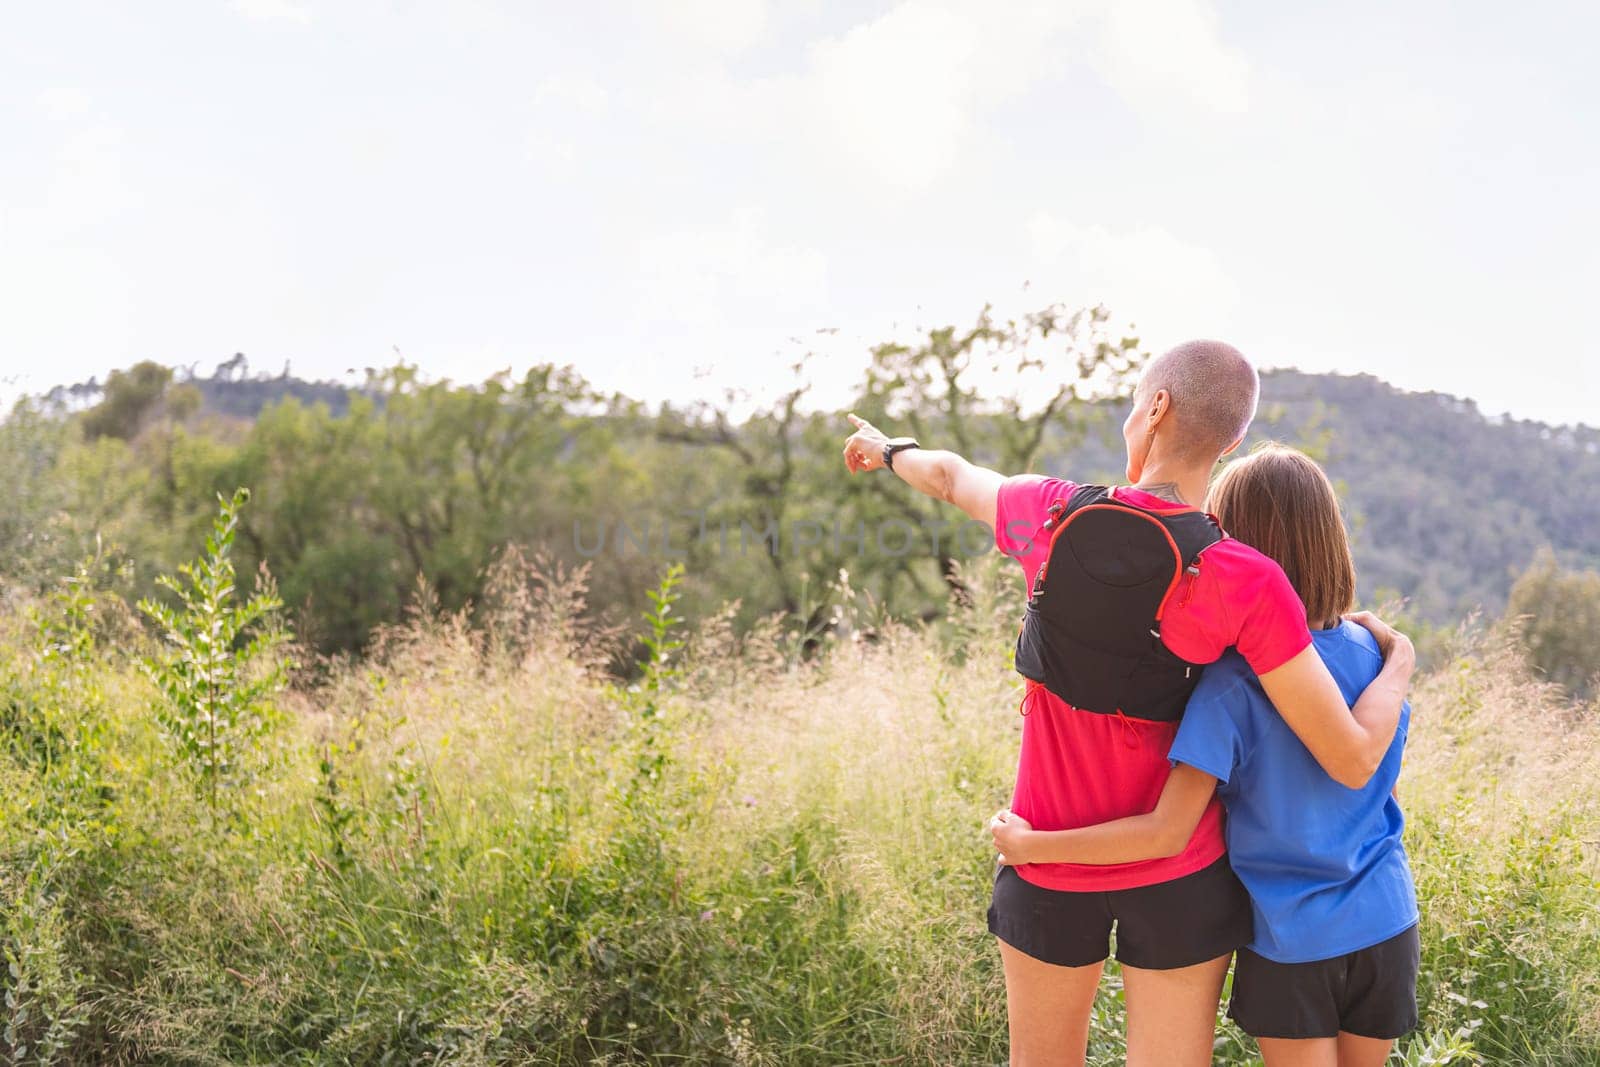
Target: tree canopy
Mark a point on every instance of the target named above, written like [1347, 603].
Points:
[360, 492]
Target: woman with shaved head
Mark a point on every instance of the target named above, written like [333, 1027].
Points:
[1329, 978]
[1132, 590]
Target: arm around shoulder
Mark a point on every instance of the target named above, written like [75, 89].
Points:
[1349, 743]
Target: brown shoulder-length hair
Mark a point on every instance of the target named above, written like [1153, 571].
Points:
[1278, 501]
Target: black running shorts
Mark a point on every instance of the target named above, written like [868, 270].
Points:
[1160, 927]
[1370, 993]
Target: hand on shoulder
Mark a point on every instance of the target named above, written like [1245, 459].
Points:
[1395, 646]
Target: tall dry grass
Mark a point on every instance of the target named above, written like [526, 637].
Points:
[476, 846]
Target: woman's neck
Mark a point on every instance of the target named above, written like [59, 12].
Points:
[1181, 485]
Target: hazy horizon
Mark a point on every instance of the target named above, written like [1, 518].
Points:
[741, 406]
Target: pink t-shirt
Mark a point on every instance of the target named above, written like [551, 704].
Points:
[1078, 768]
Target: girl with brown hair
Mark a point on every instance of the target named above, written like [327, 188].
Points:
[1329, 977]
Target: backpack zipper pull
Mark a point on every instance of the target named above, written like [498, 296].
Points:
[1193, 571]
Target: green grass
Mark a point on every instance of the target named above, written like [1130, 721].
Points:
[476, 848]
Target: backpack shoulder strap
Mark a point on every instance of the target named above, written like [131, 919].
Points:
[1080, 497]
[1193, 532]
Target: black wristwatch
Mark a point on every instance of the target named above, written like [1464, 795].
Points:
[896, 444]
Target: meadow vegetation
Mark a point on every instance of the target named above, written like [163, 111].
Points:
[478, 844]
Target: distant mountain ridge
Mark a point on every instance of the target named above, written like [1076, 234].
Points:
[245, 397]
[231, 391]
[1447, 504]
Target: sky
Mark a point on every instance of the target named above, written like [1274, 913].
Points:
[680, 198]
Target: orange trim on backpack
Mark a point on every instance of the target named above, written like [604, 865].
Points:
[1113, 505]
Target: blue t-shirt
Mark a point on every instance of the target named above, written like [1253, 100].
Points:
[1324, 864]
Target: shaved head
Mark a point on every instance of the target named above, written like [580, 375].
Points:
[1213, 389]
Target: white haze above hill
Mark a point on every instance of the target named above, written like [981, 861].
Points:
[677, 197]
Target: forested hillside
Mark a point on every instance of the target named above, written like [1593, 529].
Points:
[360, 493]
[1448, 505]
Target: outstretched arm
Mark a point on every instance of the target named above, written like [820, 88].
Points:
[1163, 832]
[941, 475]
[1349, 742]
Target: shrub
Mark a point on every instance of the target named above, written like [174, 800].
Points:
[220, 671]
[1558, 615]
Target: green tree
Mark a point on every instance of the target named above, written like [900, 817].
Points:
[996, 390]
[1559, 617]
[312, 517]
[131, 396]
[36, 535]
[63, 498]
[1000, 393]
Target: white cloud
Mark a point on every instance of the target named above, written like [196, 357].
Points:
[712, 277]
[902, 102]
[1174, 289]
[708, 101]
[273, 10]
[64, 103]
[717, 26]
[556, 157]
[891, 105]
[896, 95]
[904, 98]
[564, 108]
[87, 184]
[1166, 55]
[567, 93]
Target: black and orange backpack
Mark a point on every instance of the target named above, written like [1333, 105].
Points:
[1092, 632]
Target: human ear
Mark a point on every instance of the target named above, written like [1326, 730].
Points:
[1160, 404]
[1231, 449]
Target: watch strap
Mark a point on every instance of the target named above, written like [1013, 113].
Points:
[894, 445]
